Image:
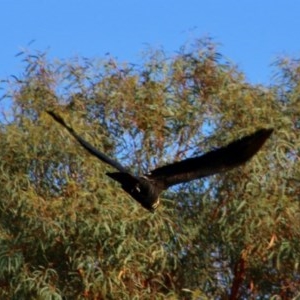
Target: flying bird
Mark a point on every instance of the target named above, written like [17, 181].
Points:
[146, 188]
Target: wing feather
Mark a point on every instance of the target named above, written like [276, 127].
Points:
[86, 145]
[234, 154]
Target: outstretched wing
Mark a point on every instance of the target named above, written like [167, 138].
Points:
[87, 145]
[216, 161]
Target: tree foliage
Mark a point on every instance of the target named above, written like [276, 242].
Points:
[68, 232]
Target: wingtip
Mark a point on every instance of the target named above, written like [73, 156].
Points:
[268, 130]
[251, 144]
[264, 133]
[50, 112]
[56, 117]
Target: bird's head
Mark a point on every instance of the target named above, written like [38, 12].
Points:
[140, 188]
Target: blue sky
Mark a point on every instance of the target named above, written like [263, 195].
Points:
[252, 33]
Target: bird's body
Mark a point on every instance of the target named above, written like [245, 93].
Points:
[146, 188]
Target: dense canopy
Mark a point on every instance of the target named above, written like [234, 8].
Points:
[68, 232]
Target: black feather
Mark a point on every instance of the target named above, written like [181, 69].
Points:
[216, 161]
[86, 145]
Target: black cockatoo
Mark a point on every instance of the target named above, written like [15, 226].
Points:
[146, 188]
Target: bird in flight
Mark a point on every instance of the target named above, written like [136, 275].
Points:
[146, 188]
